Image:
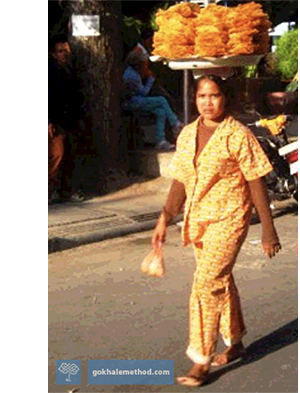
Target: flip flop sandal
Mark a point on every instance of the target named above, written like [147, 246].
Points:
[192, 381]
[229, 359]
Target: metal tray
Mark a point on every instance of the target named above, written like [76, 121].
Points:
[194, 62]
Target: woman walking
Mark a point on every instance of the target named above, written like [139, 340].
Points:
[218, 170]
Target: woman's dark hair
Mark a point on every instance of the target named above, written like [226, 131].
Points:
[223, 85]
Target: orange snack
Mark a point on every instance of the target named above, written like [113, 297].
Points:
[176, 35]
[248, 30]
[212, 31]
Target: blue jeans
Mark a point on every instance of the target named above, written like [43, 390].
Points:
[159, 106]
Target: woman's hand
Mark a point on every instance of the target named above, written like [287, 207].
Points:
[159, 234]
[270, 243]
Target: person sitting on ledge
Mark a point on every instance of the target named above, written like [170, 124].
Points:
[136, 98]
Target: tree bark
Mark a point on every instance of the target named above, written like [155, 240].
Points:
[98, 61]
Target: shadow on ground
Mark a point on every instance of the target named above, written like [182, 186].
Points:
[280, 338]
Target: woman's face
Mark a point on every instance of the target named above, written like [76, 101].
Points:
[210, 101]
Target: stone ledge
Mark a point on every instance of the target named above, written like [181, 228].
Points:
[150, 162]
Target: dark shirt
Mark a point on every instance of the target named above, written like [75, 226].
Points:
[65, 100]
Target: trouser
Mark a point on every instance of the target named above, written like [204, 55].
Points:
[55, 156]
[71, 168]
[159, 90]
[214, 302]
[64, 163]
[160, 107]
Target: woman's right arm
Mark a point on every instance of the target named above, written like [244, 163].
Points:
[171, 209]
[270, 240]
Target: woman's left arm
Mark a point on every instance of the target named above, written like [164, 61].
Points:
[270, 241]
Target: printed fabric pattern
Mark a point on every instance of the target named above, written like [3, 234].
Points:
[216, 220]
[216, 188]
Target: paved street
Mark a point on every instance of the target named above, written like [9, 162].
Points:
[102, 307]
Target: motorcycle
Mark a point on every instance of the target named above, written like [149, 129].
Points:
[282, 182]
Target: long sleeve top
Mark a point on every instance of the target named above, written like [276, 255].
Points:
[65, 100]
[135, 88]
[216, 186]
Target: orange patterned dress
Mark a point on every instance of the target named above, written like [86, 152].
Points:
[217, 215]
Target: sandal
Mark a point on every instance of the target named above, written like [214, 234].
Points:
[225, 357]
[192, 381]
[197, 376]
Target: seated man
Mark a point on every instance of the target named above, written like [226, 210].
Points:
[138, 80]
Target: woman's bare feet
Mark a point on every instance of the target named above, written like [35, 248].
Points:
[229, 355]
[197, 376]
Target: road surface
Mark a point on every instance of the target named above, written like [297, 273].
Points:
[102, 307]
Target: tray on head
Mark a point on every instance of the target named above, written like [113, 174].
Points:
[194, 62]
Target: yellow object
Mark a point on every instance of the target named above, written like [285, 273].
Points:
[214, 301]
[275, 126]
[295, 79]
[216, 219]
[186, 30]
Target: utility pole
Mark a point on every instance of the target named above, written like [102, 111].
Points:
[186, 92]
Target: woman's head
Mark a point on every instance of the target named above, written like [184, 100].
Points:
[211, 97]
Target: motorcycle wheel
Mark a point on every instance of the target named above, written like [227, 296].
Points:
[295, 196]
[295, 188]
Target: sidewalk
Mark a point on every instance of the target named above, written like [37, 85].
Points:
[132, 209]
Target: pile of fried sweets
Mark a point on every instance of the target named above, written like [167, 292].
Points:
[187, 30]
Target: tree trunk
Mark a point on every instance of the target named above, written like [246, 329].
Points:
[98, 61]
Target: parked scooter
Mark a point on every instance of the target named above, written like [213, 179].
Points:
[282, 182]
